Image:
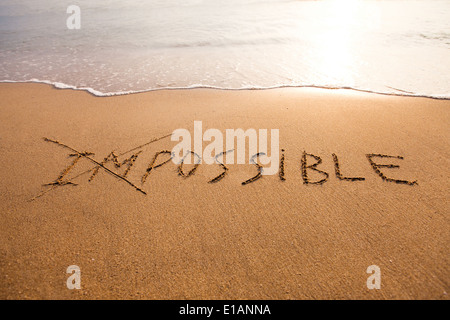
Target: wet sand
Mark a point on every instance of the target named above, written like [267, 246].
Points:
[185, 238]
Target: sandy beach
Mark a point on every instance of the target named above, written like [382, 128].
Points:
[186, 238]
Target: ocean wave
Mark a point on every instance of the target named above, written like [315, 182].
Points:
[97, 93]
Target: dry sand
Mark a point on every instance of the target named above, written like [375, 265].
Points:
[187, 239]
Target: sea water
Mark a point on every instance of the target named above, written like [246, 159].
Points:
[386, 46]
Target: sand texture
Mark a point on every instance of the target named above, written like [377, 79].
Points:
[163, 235]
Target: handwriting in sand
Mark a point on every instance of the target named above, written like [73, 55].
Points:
[113, 158]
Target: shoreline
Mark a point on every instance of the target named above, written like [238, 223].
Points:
[190, 239]
[96, 93]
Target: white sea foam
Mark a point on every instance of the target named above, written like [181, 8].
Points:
[97, 93]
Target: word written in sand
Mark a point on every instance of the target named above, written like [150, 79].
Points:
[308, 163]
